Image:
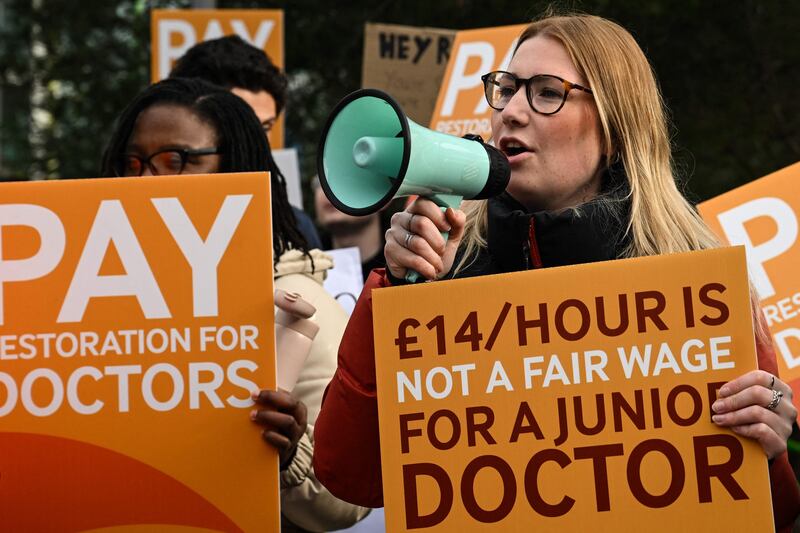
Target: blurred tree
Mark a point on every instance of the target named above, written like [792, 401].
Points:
[729, 73]
[729, 77]
[15, 59]
[78, 64]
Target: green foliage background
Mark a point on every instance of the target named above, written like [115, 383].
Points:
[729, 71]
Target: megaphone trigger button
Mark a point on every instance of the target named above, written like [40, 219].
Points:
[473, 137]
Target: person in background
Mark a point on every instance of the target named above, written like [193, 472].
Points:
[580, 117]
[189, 126]
[248, 73]
[340, 230]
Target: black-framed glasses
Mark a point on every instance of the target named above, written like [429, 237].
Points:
[163, 162]
[546, 93]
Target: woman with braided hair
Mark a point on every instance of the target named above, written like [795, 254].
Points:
[226, 138]
[189, 126]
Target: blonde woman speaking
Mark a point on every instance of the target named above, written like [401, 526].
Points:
[580, 118]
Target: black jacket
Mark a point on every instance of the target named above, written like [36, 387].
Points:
[518, 240]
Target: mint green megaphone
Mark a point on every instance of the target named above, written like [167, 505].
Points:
[371, 153]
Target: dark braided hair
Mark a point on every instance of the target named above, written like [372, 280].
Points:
[242, 143]
[231, 62]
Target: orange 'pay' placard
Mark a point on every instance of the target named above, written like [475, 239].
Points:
[461, 107]
[764, 216]
[569, 399]
[174, 31]
[136, 317]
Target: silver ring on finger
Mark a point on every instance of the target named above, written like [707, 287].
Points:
[407, 241]
[776, 399]
[411, 221]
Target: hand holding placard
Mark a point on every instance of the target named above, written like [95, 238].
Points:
[753, 406]
[764, 216]
[285, 421]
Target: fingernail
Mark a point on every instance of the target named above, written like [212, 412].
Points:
[292, 296]
[717, 406]
[253, 414]
[254, 395]
[724, 391]
[716, 419]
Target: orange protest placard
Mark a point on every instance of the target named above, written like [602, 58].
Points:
[553, 399]
[763, 216]
[136, 318]
[174, 31]
[461, 107]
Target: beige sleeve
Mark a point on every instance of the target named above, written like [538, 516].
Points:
[305, 502]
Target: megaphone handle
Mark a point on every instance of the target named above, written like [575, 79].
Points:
[412, 275]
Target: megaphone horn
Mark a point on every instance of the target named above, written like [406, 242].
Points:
[365, 159]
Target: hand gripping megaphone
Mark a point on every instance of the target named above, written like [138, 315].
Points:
[371, 153]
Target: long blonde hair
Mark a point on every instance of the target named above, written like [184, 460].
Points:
[635, 134]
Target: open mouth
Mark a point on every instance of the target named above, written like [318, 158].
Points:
[515, 150]
[512, 147]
